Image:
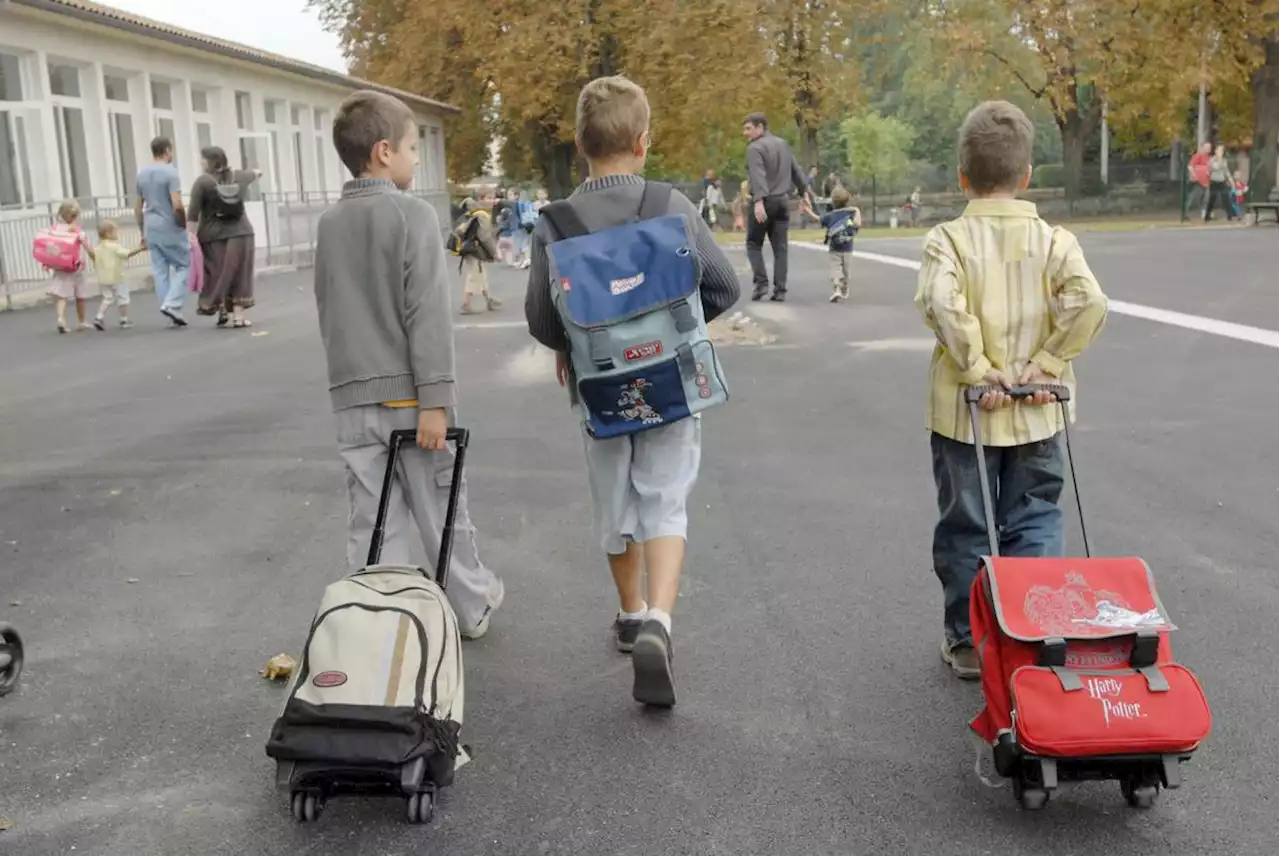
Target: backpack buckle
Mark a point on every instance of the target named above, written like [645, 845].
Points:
[598, 344]
[682, 314]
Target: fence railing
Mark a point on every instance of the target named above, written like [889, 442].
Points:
[284, 226]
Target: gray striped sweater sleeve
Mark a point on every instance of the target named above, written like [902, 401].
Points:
[719, 286]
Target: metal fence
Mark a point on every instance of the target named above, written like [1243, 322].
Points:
[284, 227]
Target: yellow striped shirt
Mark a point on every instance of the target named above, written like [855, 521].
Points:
[1000, 288]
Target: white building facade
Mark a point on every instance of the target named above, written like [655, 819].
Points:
[84, 88]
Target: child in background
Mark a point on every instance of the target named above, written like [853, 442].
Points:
[109, 259]
[475, 249]
[71, 284]
[1011, 301]
[739, 207]
[841, 223]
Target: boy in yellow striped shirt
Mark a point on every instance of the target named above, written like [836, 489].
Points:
[1011, 301]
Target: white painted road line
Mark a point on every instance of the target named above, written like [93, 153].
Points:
[1226, 329]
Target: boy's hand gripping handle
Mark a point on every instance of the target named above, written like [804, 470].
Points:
[1060, 392]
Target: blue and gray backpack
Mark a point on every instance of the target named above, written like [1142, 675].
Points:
[628, 298]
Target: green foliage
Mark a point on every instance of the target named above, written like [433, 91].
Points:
[878, 146]
[1047, 175]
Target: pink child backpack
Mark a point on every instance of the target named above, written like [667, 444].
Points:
[58, 249]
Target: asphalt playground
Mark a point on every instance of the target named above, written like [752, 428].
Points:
[172, 504]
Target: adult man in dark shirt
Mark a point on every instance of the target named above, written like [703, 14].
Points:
[771, 173]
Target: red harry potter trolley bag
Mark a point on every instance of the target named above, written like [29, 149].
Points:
[1077, 671]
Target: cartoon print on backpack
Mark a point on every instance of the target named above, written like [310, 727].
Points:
[1075, 608]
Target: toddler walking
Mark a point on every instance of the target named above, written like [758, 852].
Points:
[71, 284]
[109, 259]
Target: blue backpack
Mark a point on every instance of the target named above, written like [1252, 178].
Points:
[628, 298]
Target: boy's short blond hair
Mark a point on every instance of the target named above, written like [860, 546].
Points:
[995, 146]
[108, 229]
[612, 114]
[840, 197]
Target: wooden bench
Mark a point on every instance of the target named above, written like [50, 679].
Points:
[1272, 204]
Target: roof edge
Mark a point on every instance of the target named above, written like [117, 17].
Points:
[138, 25]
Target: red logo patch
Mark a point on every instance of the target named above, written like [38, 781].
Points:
[328, 680]
[564, 285]
[642, 352]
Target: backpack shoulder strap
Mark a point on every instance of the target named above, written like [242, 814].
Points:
[565, 222]
[656, 200]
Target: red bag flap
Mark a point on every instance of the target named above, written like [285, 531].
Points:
[1111, 713]
[1042, 598]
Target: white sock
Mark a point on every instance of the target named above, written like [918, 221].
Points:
[633, 616]
[661, 617]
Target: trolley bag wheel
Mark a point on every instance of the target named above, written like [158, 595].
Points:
[421, 807]
[10, 658]
[306, 806]
[1030, 796]
[1139, 791]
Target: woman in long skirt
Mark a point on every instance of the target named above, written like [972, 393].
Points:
[218, 217]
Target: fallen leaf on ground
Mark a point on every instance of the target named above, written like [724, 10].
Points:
[132, 580]
[5, 824]
[261, 333]
[279, 667]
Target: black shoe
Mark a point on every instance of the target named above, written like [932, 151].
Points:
[760, 292]
[626, 630]
[651, 659]
[779, 296]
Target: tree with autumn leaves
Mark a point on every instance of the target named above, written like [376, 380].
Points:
[1143, 60]
[515, 67]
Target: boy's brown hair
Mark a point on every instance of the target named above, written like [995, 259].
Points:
[107, 230]
[995, 146]
[840, 198]
[365, 119]
[612, 114]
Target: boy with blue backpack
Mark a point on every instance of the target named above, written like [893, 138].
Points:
[841, 223]
[624, 277]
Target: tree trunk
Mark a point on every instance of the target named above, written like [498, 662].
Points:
[808, 146]
[1266, 115]
[553, 158]
[1072, 129]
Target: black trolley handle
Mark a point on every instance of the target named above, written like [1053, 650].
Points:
[1062, 394]
[461, 438]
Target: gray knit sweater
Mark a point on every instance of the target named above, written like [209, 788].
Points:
[382, 293]
[612, 201]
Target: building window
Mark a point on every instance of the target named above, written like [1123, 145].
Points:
[123, 158]
[295, 115]
[64, 79]
[271, 111]
[73, 153]
[10, 77]
[165, 128]
[204, 134]
[15, 162]
[117, 87]
[297, 161]
[161, 95]
[244, 111]
[321, 184]
[199, 101]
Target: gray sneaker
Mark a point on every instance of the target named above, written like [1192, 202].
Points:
[963, 661]
[497, 593]
[626, 630]
[651, 659]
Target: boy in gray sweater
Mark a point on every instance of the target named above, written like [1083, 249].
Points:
[640, 483]
[383, 300]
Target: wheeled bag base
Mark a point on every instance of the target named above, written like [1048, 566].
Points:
[310, 785]
[1034, 778]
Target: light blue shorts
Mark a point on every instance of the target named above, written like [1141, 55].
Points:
[640, 483]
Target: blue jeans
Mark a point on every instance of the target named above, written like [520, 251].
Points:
[1027, 481]
[170, 254]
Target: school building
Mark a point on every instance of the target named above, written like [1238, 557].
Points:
[85, 87]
